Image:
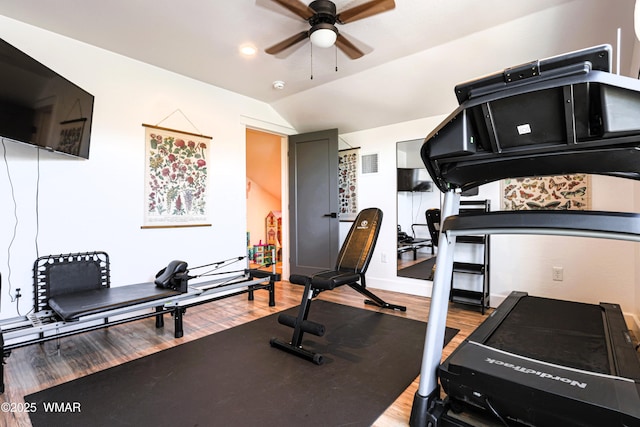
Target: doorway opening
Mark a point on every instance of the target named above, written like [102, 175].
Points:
[265, 199]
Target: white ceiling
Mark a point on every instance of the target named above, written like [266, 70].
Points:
[416, 54]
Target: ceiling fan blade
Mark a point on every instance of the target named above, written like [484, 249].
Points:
[365, 10]
[348, 48]
[287, 43]
[297, 7]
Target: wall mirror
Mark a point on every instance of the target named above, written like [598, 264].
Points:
[415, 194]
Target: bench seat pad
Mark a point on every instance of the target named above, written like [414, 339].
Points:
[326, 280]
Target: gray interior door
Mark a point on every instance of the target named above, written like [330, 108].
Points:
[313, 201]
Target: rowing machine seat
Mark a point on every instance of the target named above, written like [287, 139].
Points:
[351, 266]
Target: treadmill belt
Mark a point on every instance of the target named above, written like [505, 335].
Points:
[561, 332]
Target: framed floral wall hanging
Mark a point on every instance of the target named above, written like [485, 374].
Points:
[571, 192]
[176, 178]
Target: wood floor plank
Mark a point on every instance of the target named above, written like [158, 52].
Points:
[39, 366]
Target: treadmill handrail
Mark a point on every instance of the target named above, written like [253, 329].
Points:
[598, 224]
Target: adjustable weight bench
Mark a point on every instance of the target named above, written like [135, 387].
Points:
[353, 261]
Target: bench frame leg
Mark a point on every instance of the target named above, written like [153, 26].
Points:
[159, 317]
[178, 313]
[295, 345]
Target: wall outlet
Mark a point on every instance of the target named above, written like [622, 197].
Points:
[383, 257]
[557, 273]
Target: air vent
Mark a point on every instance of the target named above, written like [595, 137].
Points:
[370, 163]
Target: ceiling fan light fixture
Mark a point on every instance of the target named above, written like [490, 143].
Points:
[322, 16]
[248, 50]
[323, 35]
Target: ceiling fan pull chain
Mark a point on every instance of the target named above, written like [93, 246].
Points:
[336, 51]
[311, 44]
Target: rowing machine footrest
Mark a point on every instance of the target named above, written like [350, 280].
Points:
[307, 325]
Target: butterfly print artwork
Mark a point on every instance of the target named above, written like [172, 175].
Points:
[555, 192]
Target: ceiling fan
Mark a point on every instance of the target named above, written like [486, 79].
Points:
[322, 17]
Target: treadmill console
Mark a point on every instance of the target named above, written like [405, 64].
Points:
[557, 116]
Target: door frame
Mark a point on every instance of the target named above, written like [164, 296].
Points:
[283, 132]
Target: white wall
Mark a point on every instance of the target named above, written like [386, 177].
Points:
[594, 269]
[379, 190]
[97, 204]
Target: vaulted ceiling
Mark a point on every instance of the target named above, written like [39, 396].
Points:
[415, 53]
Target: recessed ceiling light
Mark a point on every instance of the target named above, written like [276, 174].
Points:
[248, 50]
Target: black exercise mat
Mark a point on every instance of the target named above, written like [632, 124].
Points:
[235, 378]
[421, 270]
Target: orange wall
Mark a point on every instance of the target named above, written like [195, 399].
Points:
[264, 173]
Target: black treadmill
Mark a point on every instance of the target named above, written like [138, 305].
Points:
[535, 361]
[539, 361]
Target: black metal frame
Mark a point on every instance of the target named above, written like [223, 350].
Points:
[44, 266]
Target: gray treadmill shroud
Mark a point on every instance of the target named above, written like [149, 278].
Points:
[562, 115]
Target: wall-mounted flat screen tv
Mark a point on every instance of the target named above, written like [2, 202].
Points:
[414, 179]
[40, 107]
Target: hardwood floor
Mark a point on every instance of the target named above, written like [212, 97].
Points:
[40, 366]
[406, 259]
